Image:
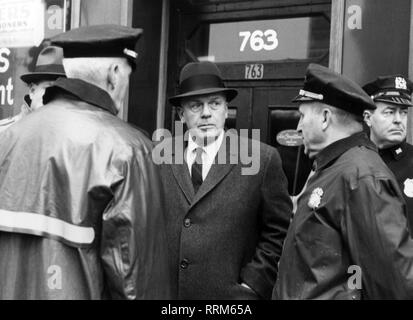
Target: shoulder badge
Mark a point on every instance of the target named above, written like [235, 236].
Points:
[408, 188]
[315, 198]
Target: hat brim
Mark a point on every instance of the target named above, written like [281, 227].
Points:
[230, 94]
[39, 76]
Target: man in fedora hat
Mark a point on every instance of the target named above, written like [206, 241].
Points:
[80, 197]
[388, 128]
[225, 227]
[349, 237]
[49, 67]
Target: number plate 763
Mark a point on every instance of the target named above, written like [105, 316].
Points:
[254, 71]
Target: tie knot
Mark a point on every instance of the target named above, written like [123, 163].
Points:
[198, 152]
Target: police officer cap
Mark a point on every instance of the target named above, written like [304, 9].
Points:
[394, 89]
[99, 41]
[326, 86]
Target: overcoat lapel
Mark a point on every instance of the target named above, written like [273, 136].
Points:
[181, 174]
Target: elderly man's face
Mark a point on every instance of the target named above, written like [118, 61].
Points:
[310, 127]
[387, 124]
[205, 115]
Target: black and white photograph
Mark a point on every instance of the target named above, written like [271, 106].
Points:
[209, 155]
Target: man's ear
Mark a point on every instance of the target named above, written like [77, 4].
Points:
[113, 75]
[367, 117]
[325, 118]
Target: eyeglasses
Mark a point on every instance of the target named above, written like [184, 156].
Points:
[197, 106]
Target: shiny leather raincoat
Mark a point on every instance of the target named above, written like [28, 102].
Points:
[349, 238]
[80, 208]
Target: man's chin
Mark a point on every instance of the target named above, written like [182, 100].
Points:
[396, 138]
[391, 143]
[205, 136]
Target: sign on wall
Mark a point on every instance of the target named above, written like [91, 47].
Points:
[21, 23]
[6, 78]
[262, 40]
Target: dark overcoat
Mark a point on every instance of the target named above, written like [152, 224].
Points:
[232, 230]
[399, 159]
[349, 237]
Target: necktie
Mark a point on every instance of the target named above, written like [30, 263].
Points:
[196, 170]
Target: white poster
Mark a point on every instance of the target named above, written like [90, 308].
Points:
[21, 23]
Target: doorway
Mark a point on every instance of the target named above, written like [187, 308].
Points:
[262, 49]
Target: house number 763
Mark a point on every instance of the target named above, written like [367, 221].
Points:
[259, 40]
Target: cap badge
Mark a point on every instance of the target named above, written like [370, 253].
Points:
[400, 83]
[130, 53]
[315, 198]
[311, 95]
[408, 188]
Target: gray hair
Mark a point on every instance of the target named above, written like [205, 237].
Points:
[93, 70]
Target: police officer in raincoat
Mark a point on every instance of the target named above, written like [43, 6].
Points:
[80, 207]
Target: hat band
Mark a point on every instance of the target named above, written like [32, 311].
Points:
[50, 68]
[199, 82]
[391, 94]
[100, 51]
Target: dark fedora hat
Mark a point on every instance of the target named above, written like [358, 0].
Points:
[49, 66]
[199, 78]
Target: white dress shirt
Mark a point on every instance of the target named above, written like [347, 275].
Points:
[208, 155]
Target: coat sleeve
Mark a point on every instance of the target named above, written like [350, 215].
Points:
[133, 241]
[274, 219]
[378, 237]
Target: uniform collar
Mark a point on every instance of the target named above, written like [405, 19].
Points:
[336, 149]
[397, 152]
[84, 91]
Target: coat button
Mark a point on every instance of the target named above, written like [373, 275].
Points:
[187, 223]
[184, 263]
